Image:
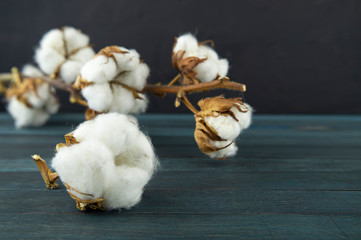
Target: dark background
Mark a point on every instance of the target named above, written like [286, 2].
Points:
[294, 56]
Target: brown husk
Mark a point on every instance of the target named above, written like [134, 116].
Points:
[91, 114]
[186, 67]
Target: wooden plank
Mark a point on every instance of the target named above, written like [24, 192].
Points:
[327, 181]
[200, 201]
[295, 177]
[128, 225]
[244, 165]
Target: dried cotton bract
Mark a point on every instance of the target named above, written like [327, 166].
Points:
[32, 101]
[112, 81]
[219, 123]
[197, 62]
[62, 52]
[108, 158]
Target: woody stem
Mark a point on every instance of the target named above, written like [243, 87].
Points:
[201, 87]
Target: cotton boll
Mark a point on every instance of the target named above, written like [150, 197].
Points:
[83, 166]
[48, 59]
[53, 40]
[229, 151]
[124, 187]
[83, 55]
[186, 42]
[99, 69]
[112, 160]
[206, 71]
[225, 126]
[99, 96]
[74, 39]
[140, 105]
[31, 71]
[123, 100]
[25, 116]
[112, 129]
[69, 70]
[39, 98]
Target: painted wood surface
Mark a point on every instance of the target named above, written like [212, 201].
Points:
[295, 177]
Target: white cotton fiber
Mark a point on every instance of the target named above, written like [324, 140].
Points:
[123, 100]
[83, 166]
[63, 51]
[225, 126]
[74, 39]
[69, 70]
[123, 71]
[208, 70]
[83, 55]
[48, 59]
[229, 151]
[53, 39]
[25, 116]
[244, 118]
[99, 96]
[113, 160]
[52, 104]
[99, 70]
[136, 78]
[114, 130]
[140, 105]
[186, 42]
[31, 71]
[38, 99]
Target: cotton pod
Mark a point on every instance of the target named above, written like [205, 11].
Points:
[219, 123]
[196, 61]
[107, 158]
[62, 52]
[32, 101]
[112, 81]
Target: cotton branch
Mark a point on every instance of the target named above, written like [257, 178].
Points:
[55, 82]
[200, 87]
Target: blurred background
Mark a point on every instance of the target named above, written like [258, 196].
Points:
[301, 57]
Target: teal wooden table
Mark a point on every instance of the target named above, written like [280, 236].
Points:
[295, 177]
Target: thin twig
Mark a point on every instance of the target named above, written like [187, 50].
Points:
[190, 106]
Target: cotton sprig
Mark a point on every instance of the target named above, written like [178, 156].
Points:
[113, 80]
[62, 52]
[218, 124]
[31, 100]
[196, 61]
[105, 162]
